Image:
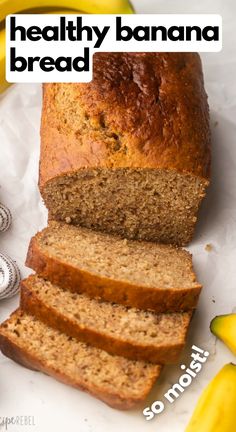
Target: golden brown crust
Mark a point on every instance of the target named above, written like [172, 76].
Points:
[165, 354]
[142, 110]
[77, 280]
[10, 349]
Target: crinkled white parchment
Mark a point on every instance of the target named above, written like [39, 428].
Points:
[54, 405]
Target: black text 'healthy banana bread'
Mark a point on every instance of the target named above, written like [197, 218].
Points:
[129, 152]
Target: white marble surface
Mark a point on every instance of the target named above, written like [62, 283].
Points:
[54, 405]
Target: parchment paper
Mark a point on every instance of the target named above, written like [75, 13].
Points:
[54, 405]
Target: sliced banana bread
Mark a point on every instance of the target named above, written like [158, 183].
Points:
[129, 332]
[128, 153]
[133, 273]
[119, 382]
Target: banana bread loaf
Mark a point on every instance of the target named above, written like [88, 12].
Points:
[119, 382]
[129, 152]
[119, 330]
[139, 274]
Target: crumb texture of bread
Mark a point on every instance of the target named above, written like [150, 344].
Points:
[120, 382]
[138, 274]
[128, 153]
[129, 332]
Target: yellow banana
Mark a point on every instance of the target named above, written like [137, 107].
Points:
[215, 410]
[224, 327]
[89, 6]
[3, 83]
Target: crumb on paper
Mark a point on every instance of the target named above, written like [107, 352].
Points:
[216, 123]
[209, 247]
[213, 301]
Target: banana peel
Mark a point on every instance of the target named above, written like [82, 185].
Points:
[224, 327]
[67, 7]
[215, 410]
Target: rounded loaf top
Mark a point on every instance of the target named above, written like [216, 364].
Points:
[141, 110]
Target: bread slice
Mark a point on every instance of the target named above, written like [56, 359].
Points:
[119, 382]
[129, 152]
[137, 274]
[120, 330]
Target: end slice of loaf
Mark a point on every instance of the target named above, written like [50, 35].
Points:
[133, 273]
[120, 330]
[119, 382]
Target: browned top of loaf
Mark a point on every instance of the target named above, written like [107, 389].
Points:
[142, 110]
